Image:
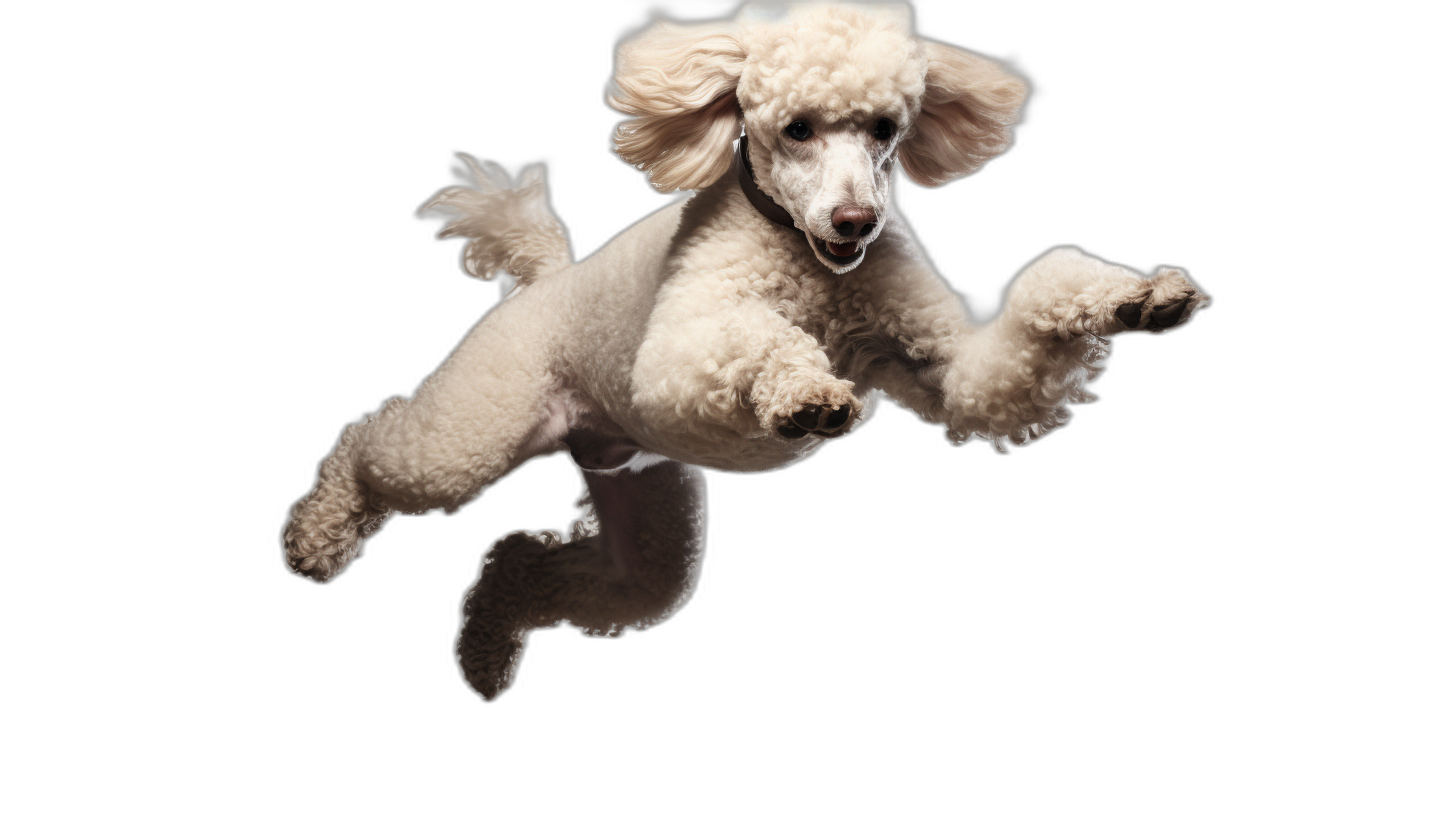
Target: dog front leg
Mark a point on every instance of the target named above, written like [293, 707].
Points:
[1013, 379]
[745, 369]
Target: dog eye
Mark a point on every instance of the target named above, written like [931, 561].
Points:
[799, 130]
[884, 129]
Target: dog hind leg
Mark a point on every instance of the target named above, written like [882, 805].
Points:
[486, 410]
[634, 570]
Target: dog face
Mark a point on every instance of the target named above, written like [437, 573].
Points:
[826, 96]
[833, 177]
[829, 98]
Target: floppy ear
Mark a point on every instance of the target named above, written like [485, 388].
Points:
[965, 117]
[680, 83]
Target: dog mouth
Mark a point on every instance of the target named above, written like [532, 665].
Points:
[841, 254]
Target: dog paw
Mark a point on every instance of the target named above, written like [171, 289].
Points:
[322, 538]
[823, 409]
[822, 420]
[1169, 300]
[489, 664]
[499, 610]
[796, 404]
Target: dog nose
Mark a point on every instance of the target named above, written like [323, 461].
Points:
[853, 220]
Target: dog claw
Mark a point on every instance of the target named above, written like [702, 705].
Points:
[1165, 316]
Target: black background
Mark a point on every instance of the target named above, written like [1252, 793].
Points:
[1101, 579]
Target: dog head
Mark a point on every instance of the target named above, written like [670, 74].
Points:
[828, 96]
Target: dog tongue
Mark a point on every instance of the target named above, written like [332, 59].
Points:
[841, 250]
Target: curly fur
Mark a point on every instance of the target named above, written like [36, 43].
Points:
[710, 335]
[535, 581]
[508, 227]
[965, 116]
[677, 81]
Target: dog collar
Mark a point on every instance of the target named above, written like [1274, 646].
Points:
[758, 198]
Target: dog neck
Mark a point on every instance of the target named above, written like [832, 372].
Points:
[758, 198]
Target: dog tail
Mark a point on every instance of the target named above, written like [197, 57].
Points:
[507, 227]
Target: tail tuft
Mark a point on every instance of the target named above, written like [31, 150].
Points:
[510, 228]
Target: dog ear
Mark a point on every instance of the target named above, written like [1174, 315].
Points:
[680, 85]
[965, 117]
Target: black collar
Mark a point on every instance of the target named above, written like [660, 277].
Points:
[758, 198]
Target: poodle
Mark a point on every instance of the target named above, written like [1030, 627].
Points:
[740, 328]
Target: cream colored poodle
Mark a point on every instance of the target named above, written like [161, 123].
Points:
[740, 328]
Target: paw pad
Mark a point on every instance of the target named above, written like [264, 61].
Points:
[816, 419]
[1165, 316]
[1168, 300]
[1131, 314]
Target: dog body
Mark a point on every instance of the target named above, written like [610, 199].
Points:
[739, 329]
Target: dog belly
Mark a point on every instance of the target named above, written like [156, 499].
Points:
[723, 449]
[754, 455]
